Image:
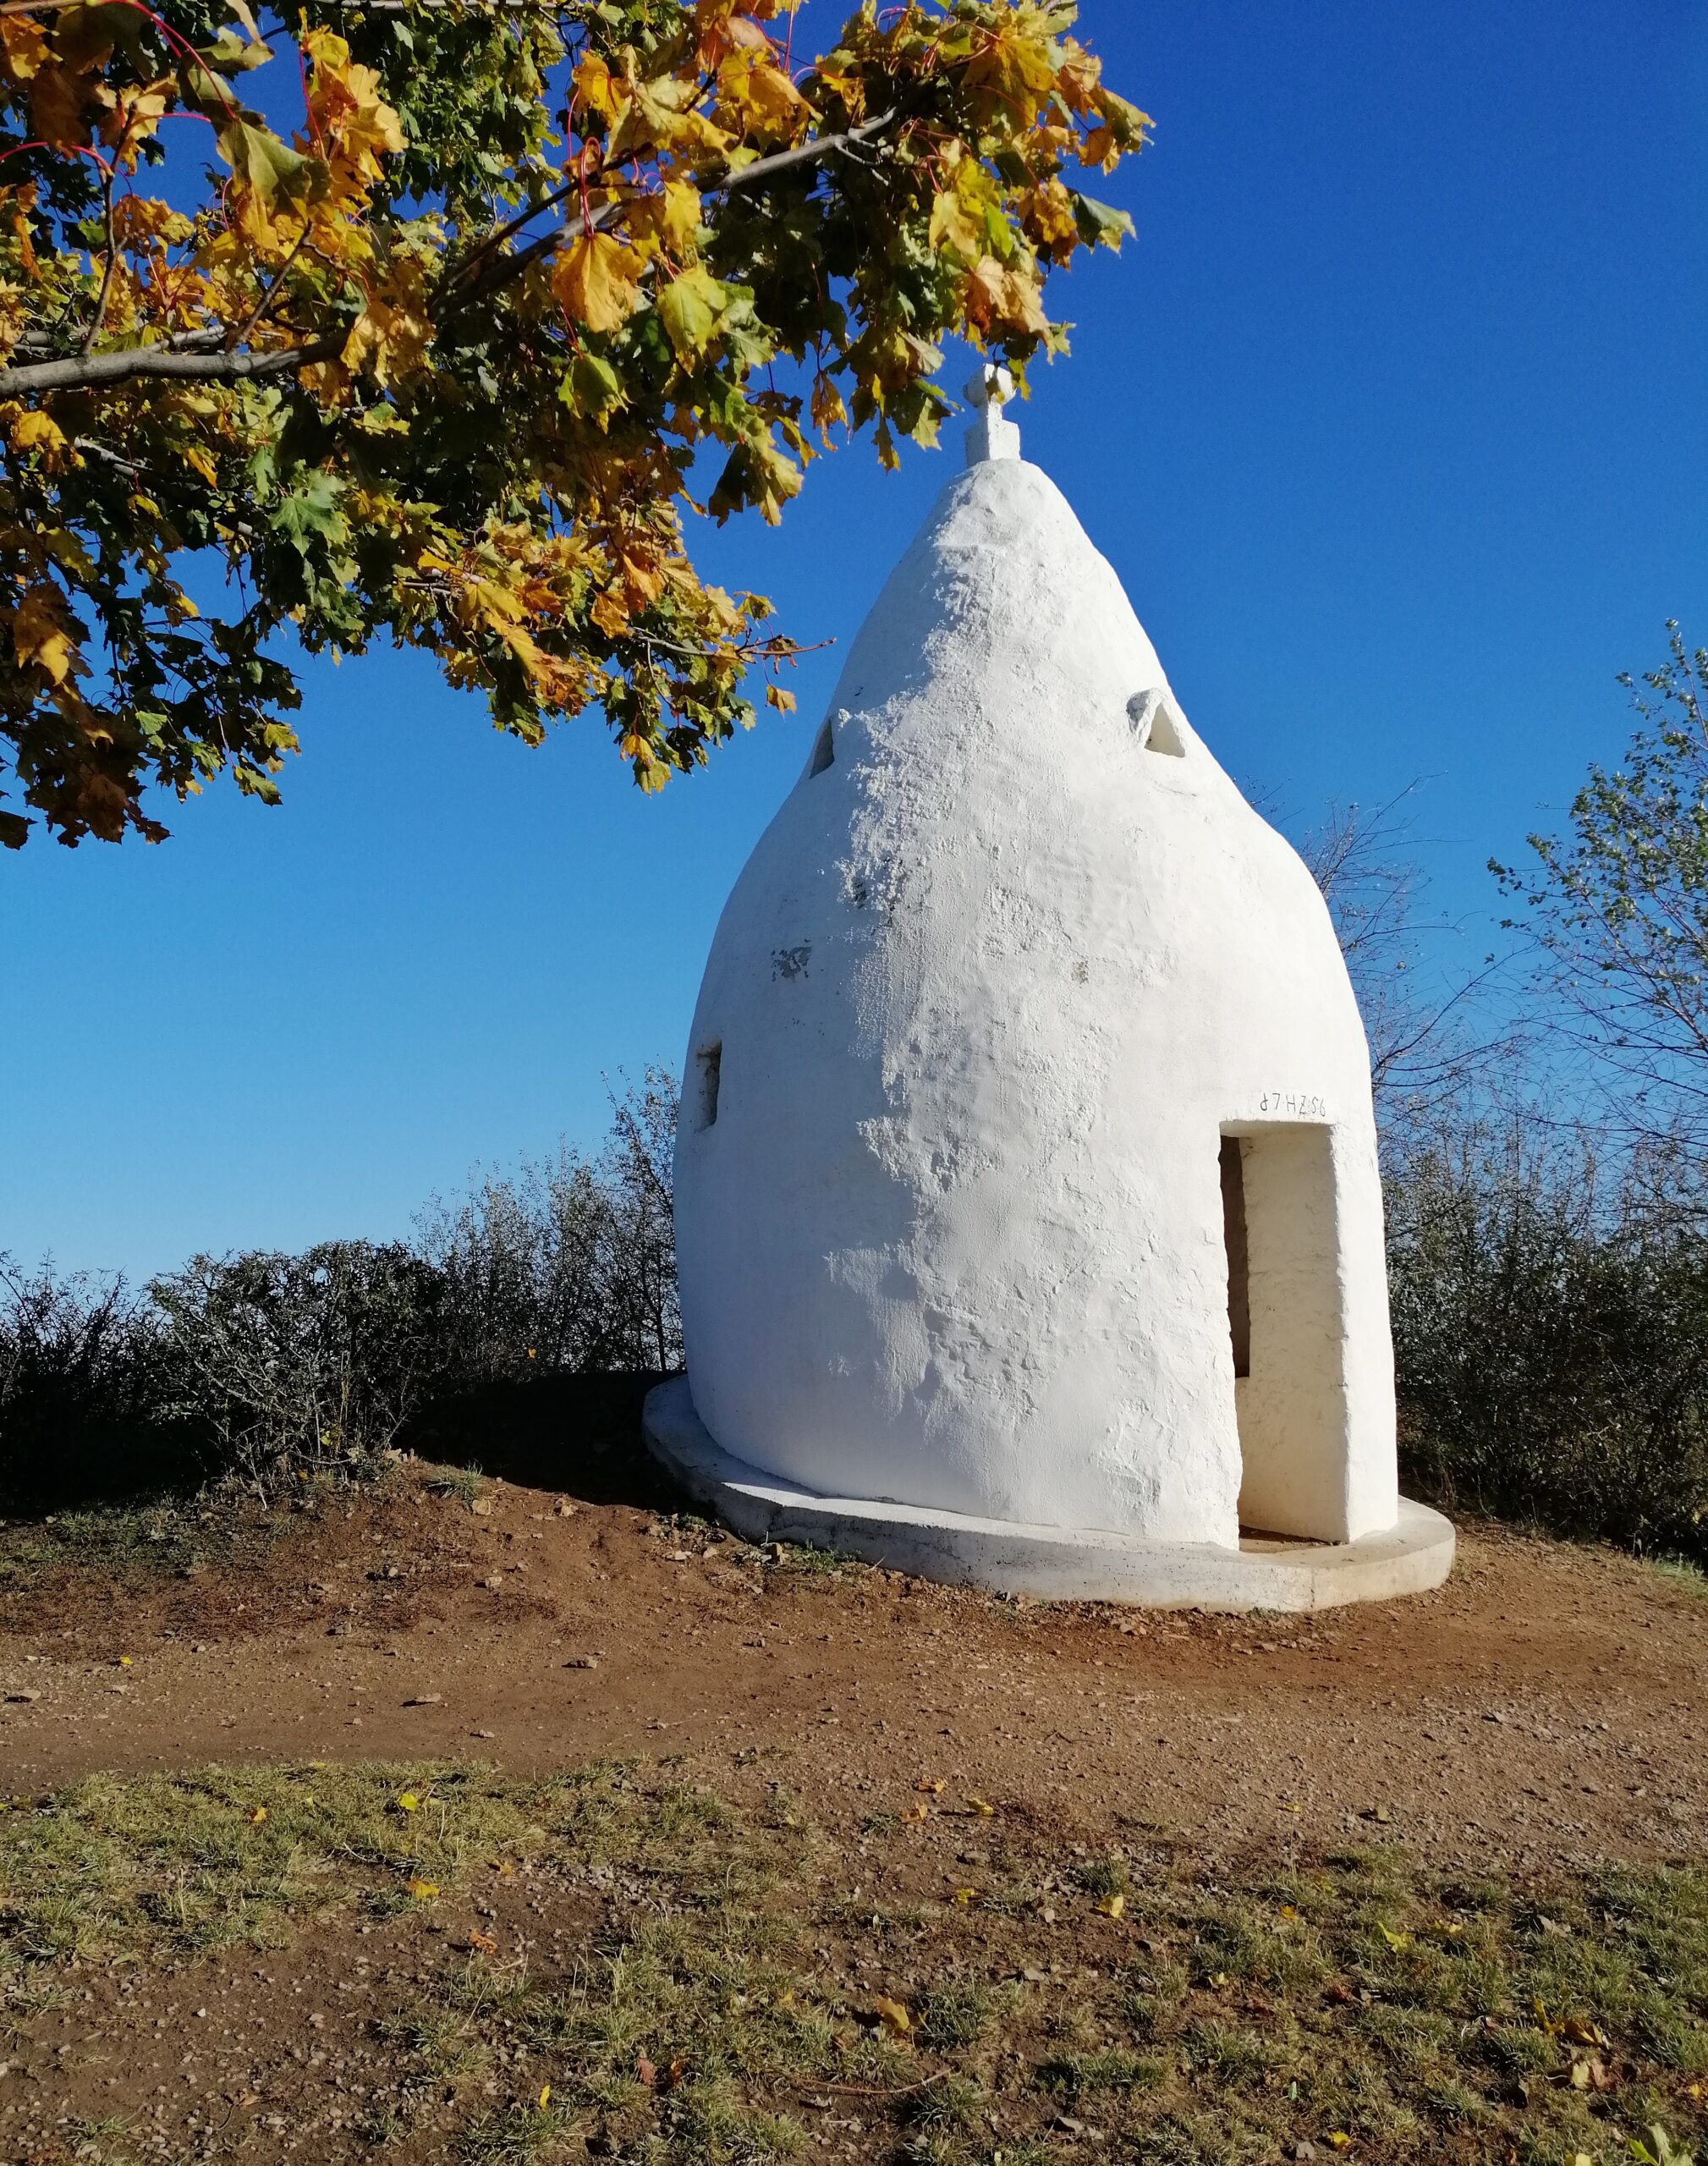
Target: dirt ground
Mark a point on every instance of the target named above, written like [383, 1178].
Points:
[1547, 1705]
[1544, 1712]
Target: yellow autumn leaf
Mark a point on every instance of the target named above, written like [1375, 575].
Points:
[258, 1816]
[1289, 1912]
[977, 1805]
[23, 48]
[758, 94]
[545, 2096]
[917, 1812]
[964, 1895]
[200, 461]
[932, 1786]
[1397, 1941]
[892, 2016]
[39, 635]
[669, 219]
[409, 1802]
[999, 298]
[34, 430]
[1111, 1906]
[593, 91]
[596, 279]
[423, 1890]
[1339, 2139]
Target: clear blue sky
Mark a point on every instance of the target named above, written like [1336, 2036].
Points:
[1393, 421]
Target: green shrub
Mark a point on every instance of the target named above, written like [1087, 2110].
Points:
[84, 1395]
[263, 1369]
[1551, 1342]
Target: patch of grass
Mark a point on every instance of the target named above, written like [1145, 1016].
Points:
[802, 1561]
[130, 1542]
[463, 1484]
[130, 1872]
[720, 1999]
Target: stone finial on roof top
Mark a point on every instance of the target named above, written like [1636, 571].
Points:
[992, 436]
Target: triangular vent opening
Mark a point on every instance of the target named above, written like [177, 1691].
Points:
[1156, 722]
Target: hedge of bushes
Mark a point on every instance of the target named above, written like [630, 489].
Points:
[263, 1370]
[1551, 1337]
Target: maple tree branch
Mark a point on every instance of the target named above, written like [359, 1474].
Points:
[748, 176]
[91, 372]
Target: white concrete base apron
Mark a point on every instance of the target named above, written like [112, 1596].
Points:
[1052, 1563]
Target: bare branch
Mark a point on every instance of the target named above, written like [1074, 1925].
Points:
[91, 371]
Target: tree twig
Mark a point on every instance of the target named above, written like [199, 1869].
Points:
[100, 298]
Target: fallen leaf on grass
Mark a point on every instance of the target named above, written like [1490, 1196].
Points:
[1338, 2138]
[545, 2096]
[1397, 1941]
[482, 1942]
[1111, 1906]
[964, 1895]
[423, 1890]
[892, 2016]
[409, 1802]
[1290, 1913]
[644, 2073]
[257, 1817]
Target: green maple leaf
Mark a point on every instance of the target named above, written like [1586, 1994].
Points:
[691, 309]
[311, 514]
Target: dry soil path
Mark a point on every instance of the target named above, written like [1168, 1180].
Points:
[1548, 1705]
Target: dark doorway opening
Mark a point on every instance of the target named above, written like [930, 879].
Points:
[1238, 1266]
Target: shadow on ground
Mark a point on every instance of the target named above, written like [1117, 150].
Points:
[578, 1434]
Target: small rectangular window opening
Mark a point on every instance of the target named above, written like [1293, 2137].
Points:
[1234, 1233]
[709, 1064]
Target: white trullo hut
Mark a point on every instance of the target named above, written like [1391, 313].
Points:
[1027, 1206]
